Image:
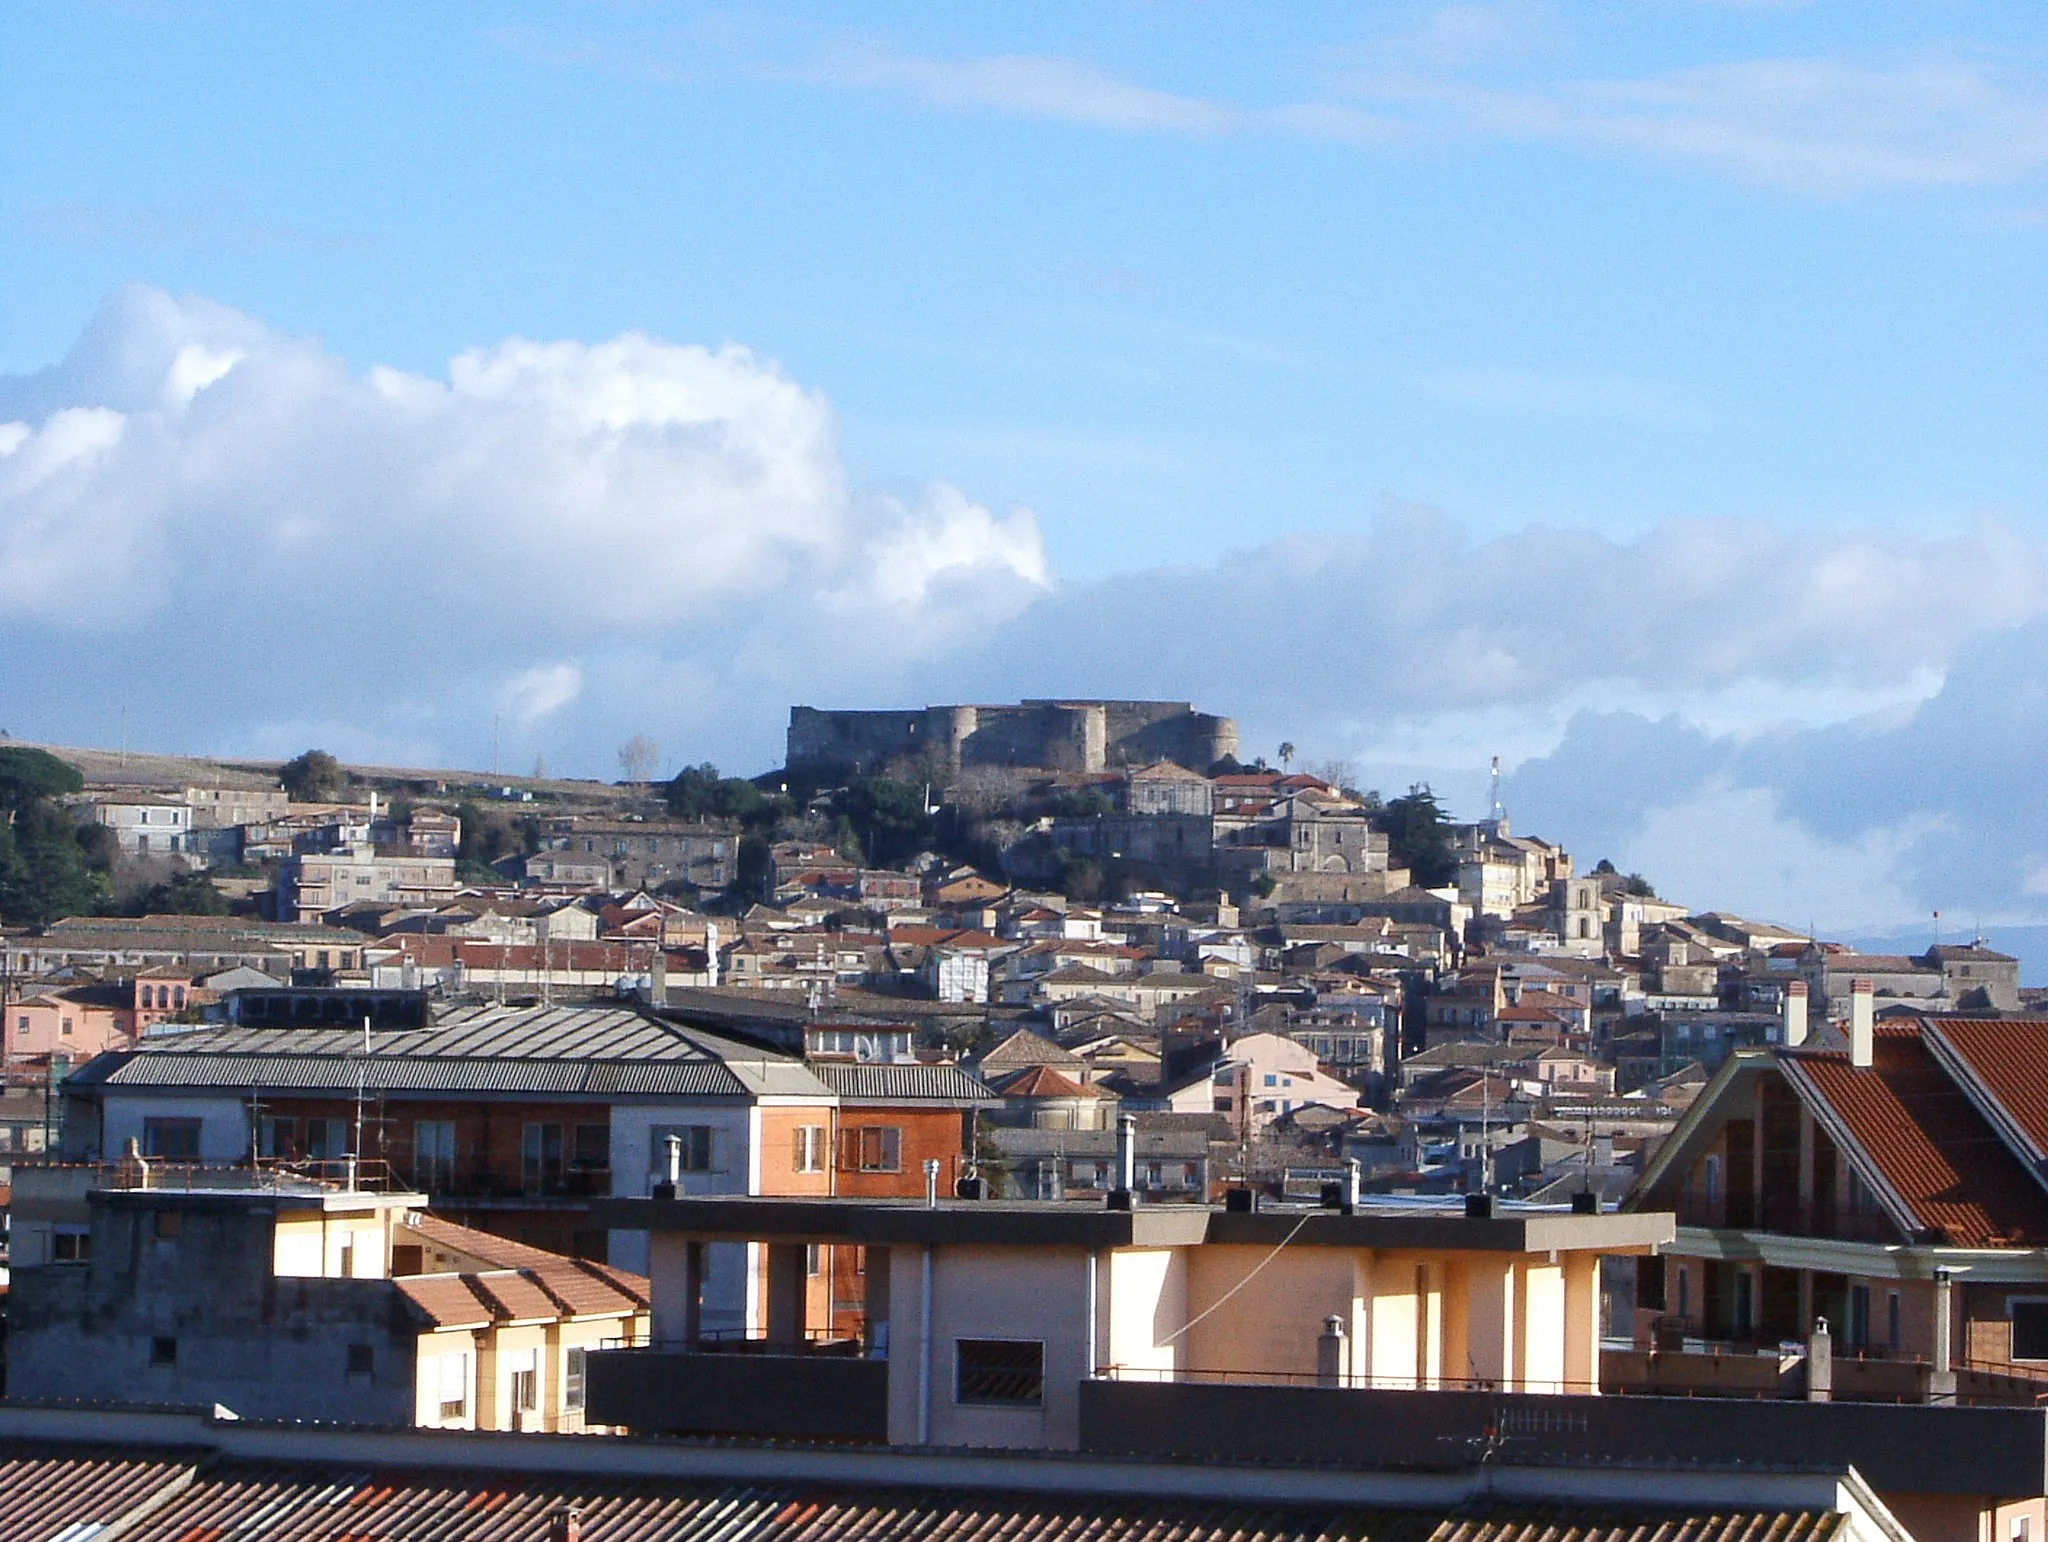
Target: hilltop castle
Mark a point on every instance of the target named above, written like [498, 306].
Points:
[1052, 735]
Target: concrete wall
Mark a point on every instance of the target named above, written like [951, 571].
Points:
[223, 1129]
[989, 1293]
[264, 1347]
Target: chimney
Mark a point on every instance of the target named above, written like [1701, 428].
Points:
[1861, 1026]
[1127, 1152]
[1795, 1014]
[658, 977]
[566, 1525]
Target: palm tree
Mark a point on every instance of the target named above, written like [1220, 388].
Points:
[1286, 755]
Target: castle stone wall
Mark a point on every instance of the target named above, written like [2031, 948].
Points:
[1048, 734]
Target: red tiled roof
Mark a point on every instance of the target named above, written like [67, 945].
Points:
[513, 1297]
[496, 1252]
[582, 1294]
[1926, 1141]
[2003, 1062]
[1042, 1081]
[445, 1300]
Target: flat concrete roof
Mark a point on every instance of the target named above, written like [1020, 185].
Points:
[1052, 1223]
[306, 1198]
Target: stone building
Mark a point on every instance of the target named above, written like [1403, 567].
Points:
[1051, 735]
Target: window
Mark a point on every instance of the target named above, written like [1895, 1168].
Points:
[572, 1379]
[454, 1386]
[175, 1140]
[593, 1147]
[1685, 1294]
[67, 1026]
[526, 1390]
[1745, 1303]
[433, 1154]
[163, 1351]
[814, 1259]
[277, 1136]
[362, 1359]
[874, 1148]
[1712, 1178]
[696, 1151]
[540, 1158]
[2019, 1528]
[1891, 1321]
[2029, 1330]
[810, 1148]
[71, 1246]
[1005, 1372]
[326, 1139]
[1859, 1316]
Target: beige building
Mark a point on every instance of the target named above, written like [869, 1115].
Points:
[990, 1317]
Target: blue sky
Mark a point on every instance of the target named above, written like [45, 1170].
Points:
[1651, 394]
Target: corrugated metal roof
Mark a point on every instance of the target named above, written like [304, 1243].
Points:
[577, 1050]
[283, 1502]
[53, 1490]
[902, 1083]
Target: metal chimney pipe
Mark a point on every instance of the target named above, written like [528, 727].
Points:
[675, 1161]
[1127, 1152]
[1354, 1184]
[931, 1183]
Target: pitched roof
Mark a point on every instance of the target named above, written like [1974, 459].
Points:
[946, 1085]
[1924, 1148]
[156, 1495]
[584, 1050]
[1024, 1048]
[488, 1248]
[1042, 1081]
[445, 1300]
[2002, 1065]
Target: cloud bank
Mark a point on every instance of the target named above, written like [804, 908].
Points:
[242, 543]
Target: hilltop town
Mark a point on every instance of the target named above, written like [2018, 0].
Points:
[531, 1057]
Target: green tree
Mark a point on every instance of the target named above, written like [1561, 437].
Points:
[28, 774]
[699, 792]
[888, 818]
[1418, 837]
[45, 873]
[187, 894]
[314, 777]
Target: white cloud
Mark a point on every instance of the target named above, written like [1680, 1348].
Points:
[588, 489]
[1035, 86]
[1826, 126]
[535, 693]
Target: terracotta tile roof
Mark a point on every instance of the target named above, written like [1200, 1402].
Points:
[581, 1294]
[493, 1251]
[1024, 1048]
[1042, 1081]
[636, 1286]
[445, 1300]
[1922, 1139]
[2003, 1064]
[513, 1296]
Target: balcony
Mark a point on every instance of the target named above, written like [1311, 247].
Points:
[819, 1390]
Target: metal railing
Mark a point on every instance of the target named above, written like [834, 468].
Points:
[1364, 1381]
